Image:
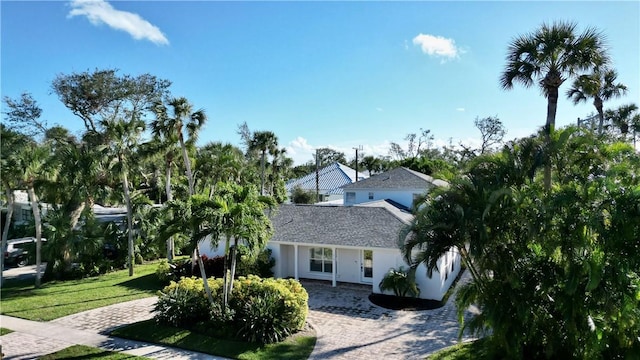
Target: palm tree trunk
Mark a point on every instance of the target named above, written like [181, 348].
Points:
[38, 223]
[203, 273]
[7, 224]
[167, 187]
[127, 199]
[187, 165]
[233, 264]
[552, 107]
[225, 290]
[75, 215]
[597, 102]
[262, 173]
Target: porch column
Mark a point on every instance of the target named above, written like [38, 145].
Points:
[333, 267]
[295, 261]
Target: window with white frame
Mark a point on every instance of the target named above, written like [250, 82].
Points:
[320, 260]
[350, 197]
[370, 196]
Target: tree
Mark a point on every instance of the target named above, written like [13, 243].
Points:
[124, 138]
[548, 57]
[491, 130]
[300, 196]
[263, 141]
[103, 95]
[23, 115]
[625, 118]
[372, 164]
[328, 156]
[543, 262]
[184, 120]
[32, 164]
[11, 145]
[600, 86]
[242, 217]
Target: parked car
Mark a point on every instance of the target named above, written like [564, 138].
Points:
[16, 253]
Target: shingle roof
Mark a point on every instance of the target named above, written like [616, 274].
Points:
[398, 178]
[372, 227]
[331, 179]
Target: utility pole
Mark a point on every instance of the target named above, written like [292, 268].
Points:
[356, 149]
[317, 177]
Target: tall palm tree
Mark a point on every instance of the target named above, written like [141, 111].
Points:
[173, 128]
[124, 138]
[600, 86]
[625, 118]
[32, 162]
[548, 57]
[217, 162]
[263, 141]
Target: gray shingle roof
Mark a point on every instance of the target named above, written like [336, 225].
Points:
[398, 178]
[371, 227]
[331, 179]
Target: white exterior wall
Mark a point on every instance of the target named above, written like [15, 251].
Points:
[404, 197]
[432, 288]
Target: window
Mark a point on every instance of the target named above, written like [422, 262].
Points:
[370, 196]
[320, 260]
[26, 214]
[350, 197]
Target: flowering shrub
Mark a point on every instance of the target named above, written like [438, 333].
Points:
[259, 310]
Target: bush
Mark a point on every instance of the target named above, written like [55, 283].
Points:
[260, 265]
[139, 259]
[260, 310]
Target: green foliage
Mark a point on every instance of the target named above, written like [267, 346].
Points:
[300, 196]
[402, 282]
[260, 310]
[250, 264]
[543, 263]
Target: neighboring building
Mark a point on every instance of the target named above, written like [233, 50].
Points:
[355, 244]
[331, 179]
[401, 185]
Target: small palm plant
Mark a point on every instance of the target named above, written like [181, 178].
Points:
[402, 282]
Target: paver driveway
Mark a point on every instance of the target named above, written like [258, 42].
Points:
[349, 326]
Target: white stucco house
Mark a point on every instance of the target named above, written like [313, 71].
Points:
[358, 242]
[329, 181]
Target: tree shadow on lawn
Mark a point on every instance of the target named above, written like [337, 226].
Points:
[146, 283]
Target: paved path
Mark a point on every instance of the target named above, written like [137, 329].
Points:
[348, 326]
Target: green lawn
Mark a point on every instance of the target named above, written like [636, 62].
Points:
[473, 350]
[87, 352]
[5, 331]
[60, 298]
[297, 347]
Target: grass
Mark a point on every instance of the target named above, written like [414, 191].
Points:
[298, 346]
[472, 350]
[61, 298]
[5, 331]
[88, 352]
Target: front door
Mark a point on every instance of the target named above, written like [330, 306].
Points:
[366, 266]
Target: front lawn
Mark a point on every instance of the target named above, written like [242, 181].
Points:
[5, 331]
[60, 298]
[473, 350]
[298, 346]
[88, 352]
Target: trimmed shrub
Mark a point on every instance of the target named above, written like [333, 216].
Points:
[260, 310]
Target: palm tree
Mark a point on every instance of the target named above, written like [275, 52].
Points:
[173, 128]
[217, 162]
[625, 118]
[242, 217]
[32, 162]
[124, 137]
[263, 141]
[600, 86]
[372, 164]
[548, 57]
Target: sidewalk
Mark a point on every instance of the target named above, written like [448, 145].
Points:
[32, 339]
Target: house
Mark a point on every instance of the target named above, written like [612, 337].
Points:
[356, 243]
[330, 180]
[401, 185]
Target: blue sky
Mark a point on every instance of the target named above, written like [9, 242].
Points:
[318, 74]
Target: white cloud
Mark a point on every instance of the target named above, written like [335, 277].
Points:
[461, 109]
[101, 12]
[437, 46]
